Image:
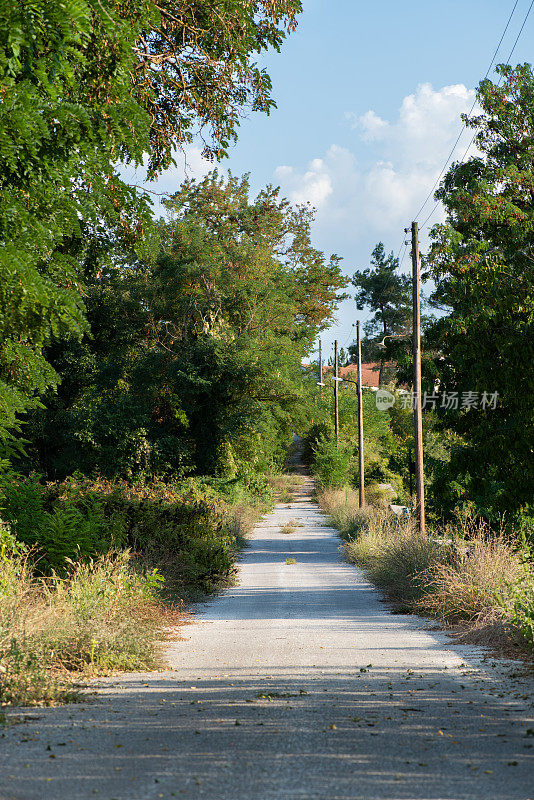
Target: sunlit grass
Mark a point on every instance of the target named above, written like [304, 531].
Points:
[466, 573]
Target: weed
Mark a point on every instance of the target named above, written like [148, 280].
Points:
[291, 561]
[518, 599]
[69, 610]
[286, 496]
[289, 527]
[285, 482]
[474, 580]
[104, 616]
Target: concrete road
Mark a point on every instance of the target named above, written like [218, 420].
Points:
[298, 683]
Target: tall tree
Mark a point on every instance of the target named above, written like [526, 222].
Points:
[86, 85]
[194, 357]
[482, 259]
[388, 295]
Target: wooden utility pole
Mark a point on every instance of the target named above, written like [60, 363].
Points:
[418, 415]
[360, 418]
[336, 395]
[410, 472]
[321, 366]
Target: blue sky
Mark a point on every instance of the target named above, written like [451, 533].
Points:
[369, 97]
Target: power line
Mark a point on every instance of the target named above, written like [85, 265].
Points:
[520, 32]
[455, 145]
[451, 154]
[474, 135]
[403, 255]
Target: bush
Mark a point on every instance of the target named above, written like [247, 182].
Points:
[389, 548]
[57, 531]
[393, 552]
[187, 530]
[473, 584]
[67, 608]
[104, 616]
[519, 598]
[332, 467]
[316, 433]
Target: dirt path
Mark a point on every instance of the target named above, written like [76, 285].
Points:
[297, 683]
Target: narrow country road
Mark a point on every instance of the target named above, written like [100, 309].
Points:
[298, 683]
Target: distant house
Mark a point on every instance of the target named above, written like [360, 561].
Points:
[370, 373]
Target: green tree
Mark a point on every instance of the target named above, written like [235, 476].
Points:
[194, 357]
[388, 295]
[87, 85]
[482, 260]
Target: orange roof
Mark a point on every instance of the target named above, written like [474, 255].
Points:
[370, 373]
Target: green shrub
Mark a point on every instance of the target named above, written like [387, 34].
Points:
[399, 566]
[57, 531]
[520, 600]
[22, 504]
[186, 529]
[315, 434]
[208, 560]
[332, 467]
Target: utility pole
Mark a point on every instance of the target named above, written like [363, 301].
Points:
[418, 416]
[336, 395]
[410, 472]
[320, 366]
[360, 418]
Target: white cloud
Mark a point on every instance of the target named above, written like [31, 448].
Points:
[374, 127]
[314, 186]
[380, 190]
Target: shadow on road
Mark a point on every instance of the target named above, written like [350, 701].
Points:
[380, 735]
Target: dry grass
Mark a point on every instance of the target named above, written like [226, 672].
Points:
[285, 481]
[241, 519]
[286, 497]
[103, 617]
[107, 613]
[468, 574]
[480, 571]
[284, 486]
[290, 526]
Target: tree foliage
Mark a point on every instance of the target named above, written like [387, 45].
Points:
[482, 259]
[86, 85]
[387, 294]
[193, 358]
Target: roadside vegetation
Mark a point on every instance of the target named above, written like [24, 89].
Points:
[471, 572]
[150, 368]
[95, 575]
[464, 574]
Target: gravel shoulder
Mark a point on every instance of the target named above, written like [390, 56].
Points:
[297, 682]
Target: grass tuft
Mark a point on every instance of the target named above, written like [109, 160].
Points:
[290, 526]
[285, 486]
